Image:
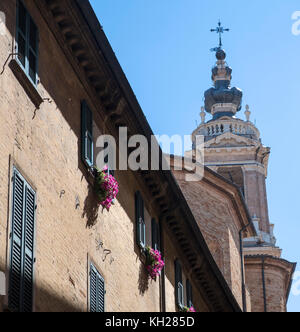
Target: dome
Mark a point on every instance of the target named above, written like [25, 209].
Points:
[222, 99]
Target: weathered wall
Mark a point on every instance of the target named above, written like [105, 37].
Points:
[45, 146]
[172, 254]
[256, 197]
[275, 284]
[218, 223]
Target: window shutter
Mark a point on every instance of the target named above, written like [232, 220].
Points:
[155, 235]
[22, 250]
[140, 220]
[189, 294]
[97, 291]
[179, 291]
[29, 249]
[107, 162]
[87, 144]
[27, 42]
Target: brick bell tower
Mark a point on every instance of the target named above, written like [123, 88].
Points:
[234, 149]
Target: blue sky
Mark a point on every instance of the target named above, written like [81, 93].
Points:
[163, 48]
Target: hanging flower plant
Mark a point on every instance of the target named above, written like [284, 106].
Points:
[154, 263]
[106, 187]
[187, 309]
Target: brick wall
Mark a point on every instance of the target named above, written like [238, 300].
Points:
[218, 222]
[44, 144]
[276, 277]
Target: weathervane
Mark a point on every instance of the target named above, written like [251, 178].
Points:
[219, 30]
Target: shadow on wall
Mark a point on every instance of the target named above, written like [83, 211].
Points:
[91, 209]
[44, 301]
[143, 280]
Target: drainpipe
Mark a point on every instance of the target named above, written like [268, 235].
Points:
[264, 284]
[242, 268]
[163, 274]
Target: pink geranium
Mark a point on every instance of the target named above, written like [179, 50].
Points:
[187, 309]
[106, 187]
[154, 263]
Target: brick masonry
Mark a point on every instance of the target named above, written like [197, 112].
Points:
[44, 144]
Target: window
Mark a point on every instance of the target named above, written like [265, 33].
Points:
[22, 245]
[27, 42]
[179, 289]
[97, 291]
[155, 235]
[87, 148]
[189, 294]
[140, 221]
[108, 162]
[147, 229]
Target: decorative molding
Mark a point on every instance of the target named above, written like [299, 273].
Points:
[25, 82]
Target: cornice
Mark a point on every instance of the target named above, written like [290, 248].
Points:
[80, 36]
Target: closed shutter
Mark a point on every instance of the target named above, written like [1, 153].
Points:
[22, 248]
[155, 235]
[87, 144]
[97, 291]
[179, 290]
[140, 220]
[189, 294]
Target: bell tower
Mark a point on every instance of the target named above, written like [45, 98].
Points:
[233, 148]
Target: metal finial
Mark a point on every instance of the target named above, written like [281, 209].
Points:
[220, 30]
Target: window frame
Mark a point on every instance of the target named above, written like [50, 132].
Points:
[140, 220]
[28, 48]
[179, 287]
[87, 135]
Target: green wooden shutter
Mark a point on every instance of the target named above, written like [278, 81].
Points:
[189, 294]
[108, 162]
[155, 235]
[97, 291]
[179, 290]
[27, 38]
[140, 220]
[22, 247]
[28, 250]
[87, 143]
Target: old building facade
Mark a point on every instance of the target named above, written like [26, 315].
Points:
[233, 149]
[60, 88]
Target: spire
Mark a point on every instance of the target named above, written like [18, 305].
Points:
[222, 99]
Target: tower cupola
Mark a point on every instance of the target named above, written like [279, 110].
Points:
[222, 99]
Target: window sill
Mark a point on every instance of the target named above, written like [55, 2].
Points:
[27, 85]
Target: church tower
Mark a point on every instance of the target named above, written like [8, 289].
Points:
[233, 148]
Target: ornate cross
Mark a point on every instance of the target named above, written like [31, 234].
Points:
[220, 30]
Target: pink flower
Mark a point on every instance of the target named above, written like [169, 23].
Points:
[155, 263]
[107, 188]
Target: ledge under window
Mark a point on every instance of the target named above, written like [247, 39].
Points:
[26, 83]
